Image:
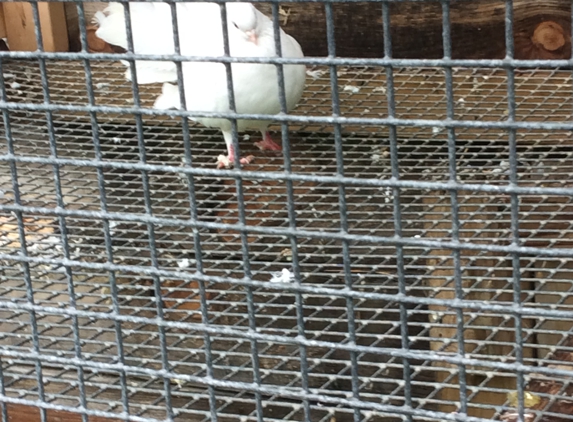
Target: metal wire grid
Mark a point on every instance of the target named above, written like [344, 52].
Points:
[388, 371]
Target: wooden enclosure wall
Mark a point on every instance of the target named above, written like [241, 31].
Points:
[19, 26]
[477, 28]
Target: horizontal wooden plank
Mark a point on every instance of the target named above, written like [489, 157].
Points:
[477, 28]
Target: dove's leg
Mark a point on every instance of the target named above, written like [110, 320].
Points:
[267, 143]
[229, 160]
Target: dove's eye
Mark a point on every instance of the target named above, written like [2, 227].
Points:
[236, 26]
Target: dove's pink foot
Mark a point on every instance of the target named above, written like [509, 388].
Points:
[268, 144]
[229, 160]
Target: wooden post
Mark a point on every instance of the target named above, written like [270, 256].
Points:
[486, 335]
[2, 23]
[20, 26]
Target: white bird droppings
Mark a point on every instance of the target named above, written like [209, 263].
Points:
[184, 263]
[388, 194]
[112, 225]
[285, 276]
[351, 88]
[315, 74]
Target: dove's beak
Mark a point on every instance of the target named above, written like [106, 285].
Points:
[252, 36]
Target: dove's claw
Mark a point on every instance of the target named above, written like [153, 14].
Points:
[228, 161]
[223, 162]
[268, 144]
[247, 160]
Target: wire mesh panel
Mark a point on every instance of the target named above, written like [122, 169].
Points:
[406, 256]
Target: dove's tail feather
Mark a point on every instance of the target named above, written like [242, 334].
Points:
[150, 24]
[111, 25]
[169, 98]
[153, 72]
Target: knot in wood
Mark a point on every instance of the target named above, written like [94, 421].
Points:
[549, 35]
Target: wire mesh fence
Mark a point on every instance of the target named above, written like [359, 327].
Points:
[407, 256]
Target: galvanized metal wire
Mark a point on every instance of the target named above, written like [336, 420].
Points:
[421, 211]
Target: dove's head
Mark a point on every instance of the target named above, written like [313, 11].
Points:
[242, 19]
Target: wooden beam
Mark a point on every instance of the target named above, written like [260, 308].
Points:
[20, 26]
[477, 28]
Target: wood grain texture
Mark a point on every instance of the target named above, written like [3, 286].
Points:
[20, 26]
[477, 28]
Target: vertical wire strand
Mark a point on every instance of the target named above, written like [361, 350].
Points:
[23, 245]
[198, 252]
[60, 203]
[14, 176]
[513, 182]
[287, 162]
[393, 135]
[241, 207]
[453, 177]
[3, 405]
[149, 212]
[231, 99]
[23, 249]
[343, 209]
[103, 205]
[251, 311]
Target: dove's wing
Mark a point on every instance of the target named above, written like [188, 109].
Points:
[152, 33]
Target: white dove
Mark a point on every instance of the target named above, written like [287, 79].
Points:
[256, 88]
[251, 34]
